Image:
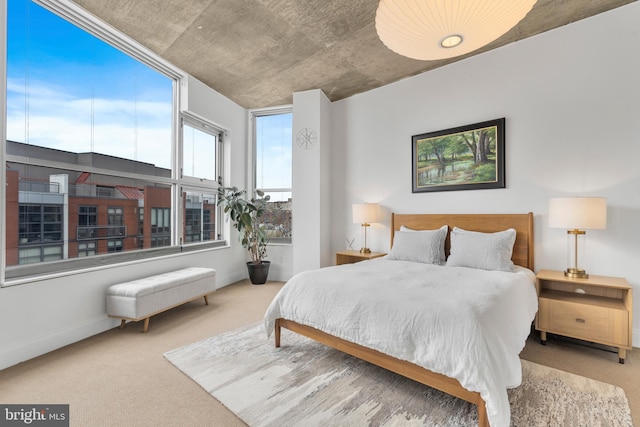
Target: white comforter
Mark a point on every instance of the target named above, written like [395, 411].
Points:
[464, 323]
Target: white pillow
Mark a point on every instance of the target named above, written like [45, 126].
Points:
[487, 251]
[426, 246]
[444, 229]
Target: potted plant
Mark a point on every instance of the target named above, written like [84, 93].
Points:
[245, 214]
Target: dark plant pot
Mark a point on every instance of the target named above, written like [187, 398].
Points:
[258, 272]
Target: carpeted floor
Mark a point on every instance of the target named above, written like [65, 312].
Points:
[120, 377]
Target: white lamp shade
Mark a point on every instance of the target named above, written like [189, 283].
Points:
[365, 213]
[420, 29]
[583, 213]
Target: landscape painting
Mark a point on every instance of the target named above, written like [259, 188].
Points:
[464, 158]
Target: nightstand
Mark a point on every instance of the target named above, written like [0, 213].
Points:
[596, 309]
[349, 257]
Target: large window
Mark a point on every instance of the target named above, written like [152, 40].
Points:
[92, 142]
[273, 145]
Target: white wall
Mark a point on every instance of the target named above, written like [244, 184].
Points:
[43, 315]
[311, 182]
[571, 99]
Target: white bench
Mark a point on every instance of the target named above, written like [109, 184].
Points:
[142, 298]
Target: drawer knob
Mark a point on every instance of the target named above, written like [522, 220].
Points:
[581, 321]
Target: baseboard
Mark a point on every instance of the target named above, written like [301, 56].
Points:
[236, 276]
[43, 344]
[232, 277]
[280, 276]
[636, 338]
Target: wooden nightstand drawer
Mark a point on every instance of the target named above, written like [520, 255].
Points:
[597, 309]
[599, 324]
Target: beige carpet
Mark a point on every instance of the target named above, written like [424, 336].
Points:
[120, 377]
[310, 384]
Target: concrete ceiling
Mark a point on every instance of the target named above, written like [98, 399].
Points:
[259, 52]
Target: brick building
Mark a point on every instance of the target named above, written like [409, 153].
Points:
[53, 214]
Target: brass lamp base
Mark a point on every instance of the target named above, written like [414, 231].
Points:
[576, 273]
[365, 249]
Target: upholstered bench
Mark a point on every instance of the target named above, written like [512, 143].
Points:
[142, 298]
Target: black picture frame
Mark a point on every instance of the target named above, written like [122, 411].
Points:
[469, 157]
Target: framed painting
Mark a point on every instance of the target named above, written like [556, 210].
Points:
[463, 158]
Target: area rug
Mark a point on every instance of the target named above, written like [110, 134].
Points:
[304, 383]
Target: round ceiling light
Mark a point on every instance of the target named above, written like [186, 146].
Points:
[451, 41]
[439, 29]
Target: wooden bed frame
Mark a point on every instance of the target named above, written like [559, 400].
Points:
[522, 255]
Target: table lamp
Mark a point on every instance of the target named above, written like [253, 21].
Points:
[577, 214]
[365, 214]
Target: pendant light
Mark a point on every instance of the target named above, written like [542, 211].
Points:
[440, 29]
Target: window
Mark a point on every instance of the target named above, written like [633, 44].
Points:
[91, 143]
[140, 228]
[273, 159]
[87, 249]
[160, 227]
[87, 222]
[87, 126]
[40, 224]
[40, 233]
[114, 245]
[87, 216]
[199, 149]
[208, 224]
[199, 217]
[193, 225]
[115, 220]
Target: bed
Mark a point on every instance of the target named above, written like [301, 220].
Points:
[360, 308]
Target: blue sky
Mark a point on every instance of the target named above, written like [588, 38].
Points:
[273, 151]
[83, 94]
[74, 92]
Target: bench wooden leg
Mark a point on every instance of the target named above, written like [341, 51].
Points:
[145, 328]
[206, 300]
[123, 323]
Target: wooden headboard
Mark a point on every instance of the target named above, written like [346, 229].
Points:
[487, 223]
